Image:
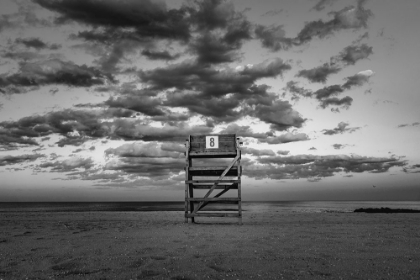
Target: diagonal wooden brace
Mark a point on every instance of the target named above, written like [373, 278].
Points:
[200, 205]
[217, 195]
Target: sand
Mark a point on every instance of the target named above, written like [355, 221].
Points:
[159, 245]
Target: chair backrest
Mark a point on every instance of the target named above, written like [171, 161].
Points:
[214, 144]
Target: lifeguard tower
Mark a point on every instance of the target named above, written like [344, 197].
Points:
[199, 174]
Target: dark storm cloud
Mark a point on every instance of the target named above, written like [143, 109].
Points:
[9, 160]
[54, 71]
[341, 128]
[147, 18]
[159, 55]
[37, 44]
[319, 74]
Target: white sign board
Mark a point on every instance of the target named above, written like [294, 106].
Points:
[212, 142]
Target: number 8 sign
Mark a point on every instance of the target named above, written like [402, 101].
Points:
[212, 142]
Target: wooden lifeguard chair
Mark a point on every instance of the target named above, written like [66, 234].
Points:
[224, 178]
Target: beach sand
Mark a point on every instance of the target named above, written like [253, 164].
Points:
[159, 245]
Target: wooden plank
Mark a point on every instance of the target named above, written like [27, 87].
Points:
[213, 171]
[218, 187]
[204, 199]
[187, 177]
[202, 214]
[216, 196]
[212, 154]
[210, 181]
[239, 186]
[211, 168]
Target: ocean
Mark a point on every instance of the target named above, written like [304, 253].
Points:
[247, 206]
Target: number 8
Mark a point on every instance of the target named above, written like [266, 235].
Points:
[212, 142]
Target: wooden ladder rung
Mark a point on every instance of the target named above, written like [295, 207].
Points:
[204, 168]
[213, 199]
[212, 215]
[218, 187]
[210, 181]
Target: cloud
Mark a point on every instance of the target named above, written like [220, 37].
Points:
[286, 138]
[149, 150]
[256, 152]
[210, 49]
[339, 146]
[344, 102]
[273, 37]
[195, 76]
[159, 55]
[414, 124]
[296, 91]
[319, 74]
[147, 18]
[9, 160]
[322, 4]
[37, 44]
[67, 165]
[147, 167]
[342, 127]
[328, 91]
[358, 80]
[279, 115]
[54, 71]
[351, 54]
[243, 131]
[348, 18]
[312, 166]
[76, 126]
[144, 104]
[351, 17]
[225, 95]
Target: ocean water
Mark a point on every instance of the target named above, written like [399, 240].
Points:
[247, 206]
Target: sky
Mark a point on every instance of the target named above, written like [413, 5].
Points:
[98, 97]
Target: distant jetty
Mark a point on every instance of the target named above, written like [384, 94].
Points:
[386, 210]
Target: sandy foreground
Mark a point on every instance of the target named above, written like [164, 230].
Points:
[159, 245]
